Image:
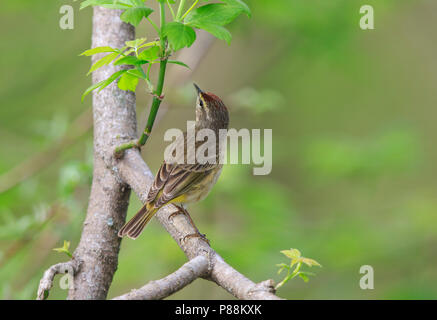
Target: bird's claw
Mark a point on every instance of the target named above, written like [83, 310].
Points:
[196, 235]
[180, 211]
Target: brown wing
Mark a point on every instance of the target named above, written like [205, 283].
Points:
[176, 179]
[160, 179]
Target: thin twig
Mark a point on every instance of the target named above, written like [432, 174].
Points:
[46, 282]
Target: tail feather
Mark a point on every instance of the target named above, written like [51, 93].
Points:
[133, 228]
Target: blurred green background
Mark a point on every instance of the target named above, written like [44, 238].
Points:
[353, 118]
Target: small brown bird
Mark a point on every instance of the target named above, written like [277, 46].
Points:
[182, 183]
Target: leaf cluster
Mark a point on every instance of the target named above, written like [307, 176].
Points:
[293, 268]
[174, 35]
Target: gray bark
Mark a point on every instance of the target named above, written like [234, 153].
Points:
[114, 123]
[174, 282]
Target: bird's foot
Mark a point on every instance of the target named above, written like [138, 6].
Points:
[180, 211]
[197, 235]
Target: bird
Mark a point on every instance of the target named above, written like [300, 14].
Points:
[183, 183]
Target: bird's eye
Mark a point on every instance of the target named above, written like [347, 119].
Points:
[201, 103]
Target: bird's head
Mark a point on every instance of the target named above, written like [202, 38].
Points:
[211, 112]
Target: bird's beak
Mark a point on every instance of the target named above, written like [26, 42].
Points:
[199, 91]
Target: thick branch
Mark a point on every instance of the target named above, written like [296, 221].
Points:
[174, 282]
[114, 123]
[134, 171]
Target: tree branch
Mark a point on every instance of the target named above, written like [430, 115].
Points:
[46, 282]
[114, 120]
[134, 171]
[174, 282]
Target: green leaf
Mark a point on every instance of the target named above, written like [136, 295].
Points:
[213, 14]
[136, 43]
[136, 3]
[102, 84]
[179, 35]
[212, 17]
[65, 248]
[296, 259]
[304, 276]
[310, 262]
[218, 31]
[138, 72]
[93, 51]
[91, 88]
[113, 77]
[179, 63]
[128, 82]
[149, 54]
[103, 61]
[110, 4]
[148, 44]
[240, 5]
[129, 60]
[292, 253]
[134, 15]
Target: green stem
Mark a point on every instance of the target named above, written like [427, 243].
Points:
[153, 24]
[126, 146]
[157, 98]
[161, 34]
[189, 10]
[180, 9]
[157, 94]
[171, 9]
[290, 275]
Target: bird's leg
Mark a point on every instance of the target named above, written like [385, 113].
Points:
[197, 235]
[182, 210]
